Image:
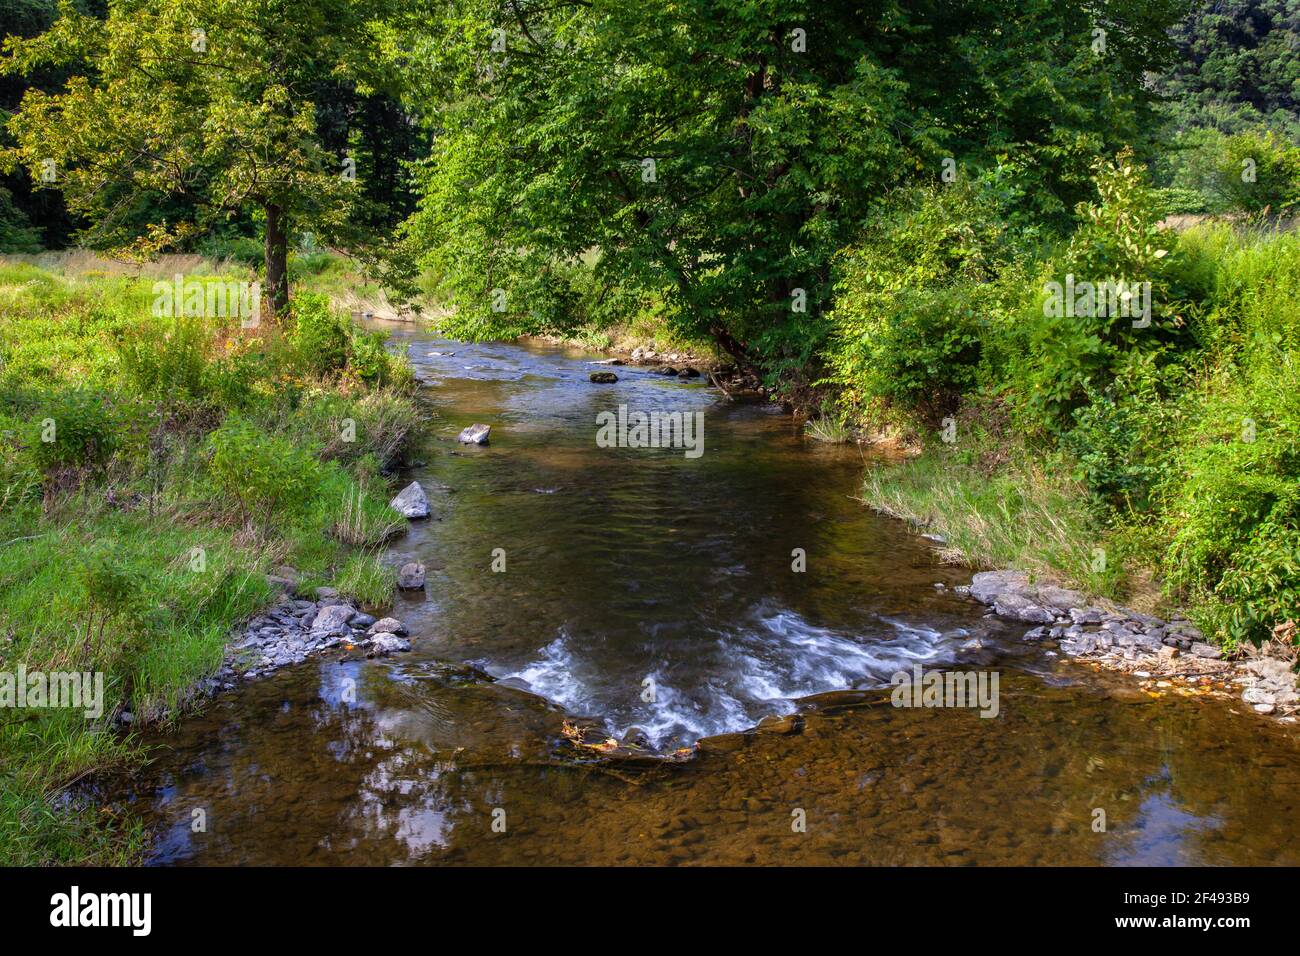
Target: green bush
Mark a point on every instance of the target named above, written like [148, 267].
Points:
[1121, 437]
[913, 301]
[265, 473]
[1251, 172]
[1082, 329]
[165, 359]
[77, 429]
[320, 337]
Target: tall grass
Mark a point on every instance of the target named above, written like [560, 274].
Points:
[1017, 517]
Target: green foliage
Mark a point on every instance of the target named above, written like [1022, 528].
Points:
[320, 337]
[1083, 327]
[1236, 67]
[167, 361]
[325, 342]
[265, 473]
[366, 578]
[1120, 438]
[78, 429]
[1252, 172]
[717, 164]
[914, 297]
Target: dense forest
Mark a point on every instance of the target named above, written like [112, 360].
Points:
[1045, 246]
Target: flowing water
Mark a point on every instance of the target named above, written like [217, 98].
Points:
[644, 588]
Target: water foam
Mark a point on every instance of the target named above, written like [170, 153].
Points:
[738, 676]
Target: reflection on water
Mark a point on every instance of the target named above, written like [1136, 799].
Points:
[646, 589]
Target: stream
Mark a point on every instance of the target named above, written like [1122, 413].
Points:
[643, 588]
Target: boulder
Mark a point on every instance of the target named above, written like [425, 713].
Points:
[474, 435]
[333, 617]
[411, 502]
[1011, 604]
[411, 576]
[383, 644]
[604, 378]
[1206, 650]
[1061, 598]
[987, 585]
[689, 373]
[388, 625]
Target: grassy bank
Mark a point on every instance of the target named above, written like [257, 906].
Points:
[1154, 460]
[153, 471]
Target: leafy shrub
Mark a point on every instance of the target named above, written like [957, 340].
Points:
[78, 429]
[321, 338]
[265, 473]
[165, 360]
[1078, 339]
[368, 358]
[1232, 503]
[1121, 437]
[913, 299]
[1250, 172]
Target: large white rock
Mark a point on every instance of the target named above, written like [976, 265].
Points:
[475, 435]
[411, 501]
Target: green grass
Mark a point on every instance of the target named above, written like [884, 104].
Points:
[830, 429]
[1016, 517]
[136, 538]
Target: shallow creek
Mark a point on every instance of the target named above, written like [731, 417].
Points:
[628, 569]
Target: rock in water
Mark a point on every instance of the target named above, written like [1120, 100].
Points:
[475, 435]
[604, 378]
[411, 577]
[411, 501]
[387, 625]
[382, 645]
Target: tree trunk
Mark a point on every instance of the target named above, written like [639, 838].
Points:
[277, 262]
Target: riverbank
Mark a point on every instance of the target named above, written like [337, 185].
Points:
[155, 474]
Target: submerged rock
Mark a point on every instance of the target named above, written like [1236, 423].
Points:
[411, 502]
[475, 435]
[789, 724]
[411, 576]
[604, 378]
